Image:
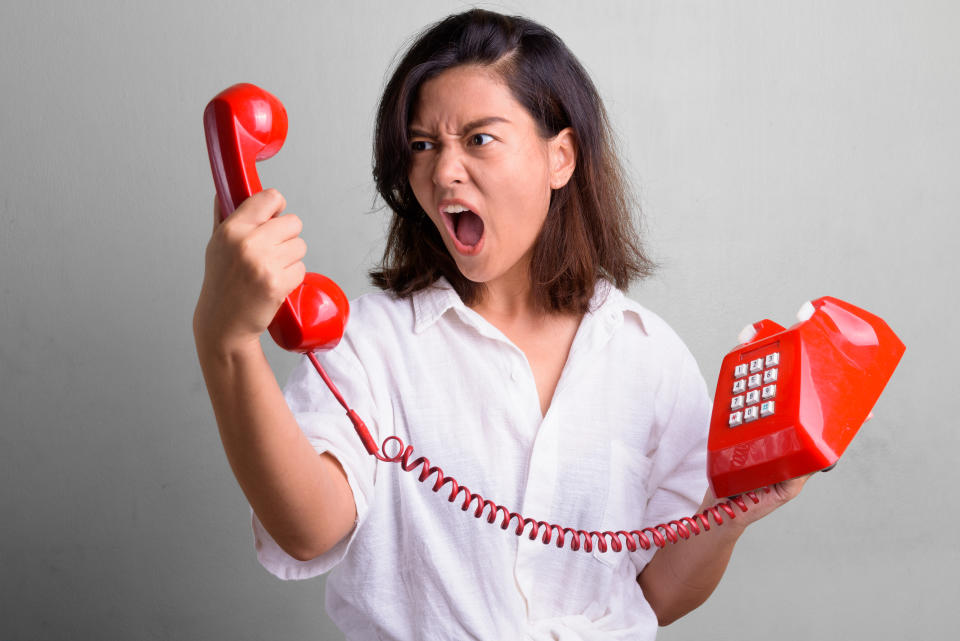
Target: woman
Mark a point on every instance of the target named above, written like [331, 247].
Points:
[502, 346]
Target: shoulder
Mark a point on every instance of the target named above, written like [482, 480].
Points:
[376, 320]
[378, 308]
[650, 330]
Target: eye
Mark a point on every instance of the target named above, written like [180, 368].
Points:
[421, 145]
[480, 139]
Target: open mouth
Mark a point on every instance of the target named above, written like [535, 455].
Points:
[465, 227]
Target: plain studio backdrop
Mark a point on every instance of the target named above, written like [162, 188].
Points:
[782, 151]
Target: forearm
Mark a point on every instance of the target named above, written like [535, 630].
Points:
[290, 488]
[681, 576]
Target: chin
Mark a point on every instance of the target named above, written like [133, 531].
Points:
[473, 276]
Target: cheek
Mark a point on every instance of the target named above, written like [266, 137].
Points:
[529, 189]
[419, 187]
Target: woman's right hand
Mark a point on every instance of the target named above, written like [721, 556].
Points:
[253, 260]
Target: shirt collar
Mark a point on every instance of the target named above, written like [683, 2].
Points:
[608, 304]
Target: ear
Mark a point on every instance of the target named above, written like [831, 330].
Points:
[563, 158]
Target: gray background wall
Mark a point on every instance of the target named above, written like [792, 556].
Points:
[783, 151]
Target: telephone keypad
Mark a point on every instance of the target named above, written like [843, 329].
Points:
[763, 371]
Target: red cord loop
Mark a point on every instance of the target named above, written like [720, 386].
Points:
[672, 532]
[661, 534]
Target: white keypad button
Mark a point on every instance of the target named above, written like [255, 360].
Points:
[769, 375]
[736, 418]
[766, 409]
[740, 370]
[750, 414]
[753, 381]
[740, 386]
[769, 392]
[753, 397]
[736, 403]
[773, 359]
[756, 365]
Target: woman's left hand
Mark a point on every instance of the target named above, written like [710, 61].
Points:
[771, 497]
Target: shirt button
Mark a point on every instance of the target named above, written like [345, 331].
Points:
[515, 373]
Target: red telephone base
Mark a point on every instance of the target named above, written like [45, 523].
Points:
[789, 401]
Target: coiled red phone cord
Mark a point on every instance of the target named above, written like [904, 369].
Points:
[671, 532]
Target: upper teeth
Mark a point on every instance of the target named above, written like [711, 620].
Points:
[455, 209]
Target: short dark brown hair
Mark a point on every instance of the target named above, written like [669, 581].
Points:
[588, 231]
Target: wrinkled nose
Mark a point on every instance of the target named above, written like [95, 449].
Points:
[448, 167]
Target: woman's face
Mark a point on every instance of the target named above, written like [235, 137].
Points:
[482, 173]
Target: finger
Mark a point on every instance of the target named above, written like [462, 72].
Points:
[293, 275]
[259, 208]
[280, 229]
[795, 485]
[291, 251]
[786, 490]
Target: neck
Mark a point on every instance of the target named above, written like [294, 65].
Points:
[508, 299]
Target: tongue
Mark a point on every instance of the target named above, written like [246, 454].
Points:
[469, 228]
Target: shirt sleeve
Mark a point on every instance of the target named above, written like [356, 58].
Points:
[327, 427]
[678, 480]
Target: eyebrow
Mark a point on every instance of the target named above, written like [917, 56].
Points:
[470, 126]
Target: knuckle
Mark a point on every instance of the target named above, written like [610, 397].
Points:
[231, 234]
[297, 273]
[274, 197]
[273, 284]
[268, 282]
[245, 248]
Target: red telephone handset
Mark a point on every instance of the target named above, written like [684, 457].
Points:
[244, 124]
[789, 401]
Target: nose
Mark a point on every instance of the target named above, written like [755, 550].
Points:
[448, 168]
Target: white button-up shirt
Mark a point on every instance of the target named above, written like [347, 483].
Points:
[622, 446]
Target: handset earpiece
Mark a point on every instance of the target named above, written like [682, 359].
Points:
[244, 124]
